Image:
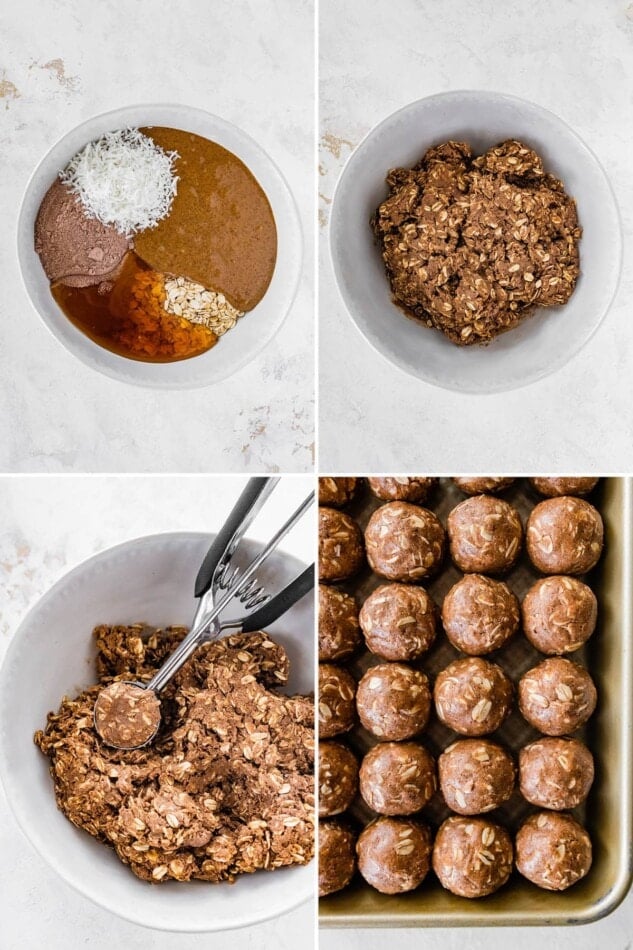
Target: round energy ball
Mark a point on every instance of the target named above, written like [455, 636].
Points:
[557, 696]
[336, 492]
[415, 488]
[556, 773]
[393, 701]
[553, 850]
[404, 542]
[559, 614]
[475, 776]
[394, 854]
[564, 536]
[553, 487]
[337, 709]
[472, 857]
[399, 621]
[485, 535]
[488, 484]
[338, 778]
[397, 778]
[479, 614]
[341, 552]
[473, 696]
[337, 857]
[339, 629]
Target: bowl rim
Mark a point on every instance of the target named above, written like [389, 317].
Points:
[21, 815]
[493, 96]
[122, 369]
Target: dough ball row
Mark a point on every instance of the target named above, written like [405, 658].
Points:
[471, 696]
[336, 492]
[471, 857]
[474, 776]
[479, 615]
[406, 545]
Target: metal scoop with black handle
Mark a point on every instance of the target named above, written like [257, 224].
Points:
[217, 572]
[127, 714]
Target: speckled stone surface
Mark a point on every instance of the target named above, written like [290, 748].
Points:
[247, 61]
[574, 57]
[47, 526]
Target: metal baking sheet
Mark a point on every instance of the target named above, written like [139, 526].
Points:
[608, 812]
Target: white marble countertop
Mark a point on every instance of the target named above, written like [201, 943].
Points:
[48, 525]
[614, 932]
[574, 57]
[60, 63]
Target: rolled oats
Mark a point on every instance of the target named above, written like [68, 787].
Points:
[185, 298]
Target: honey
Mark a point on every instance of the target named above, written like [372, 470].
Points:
[127, 316]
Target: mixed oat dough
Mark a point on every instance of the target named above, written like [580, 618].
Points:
[437, 742]
[227, 786]
[472, 245]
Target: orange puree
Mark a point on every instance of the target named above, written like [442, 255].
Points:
[220, 230]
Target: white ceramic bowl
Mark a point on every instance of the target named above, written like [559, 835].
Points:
[544, 342]
[251, 334]
[52, 654]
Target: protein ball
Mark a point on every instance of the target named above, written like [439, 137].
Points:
[485, 535]
[475, 776]
[559, 614]
[336, 492]
[340, 546]
[564, 536]
[553, 851]
[479, 614]
[404, 542]
[399, 621]
[393, 701]
[553, 487]
[338, 778]
[337, 857]
[394, 855]
[489, 484]
[337, 689]
[556, 773]
[472, 857]
[339, 629]
[416, 488]
[397, 778]
[473, 696]
[557, 696]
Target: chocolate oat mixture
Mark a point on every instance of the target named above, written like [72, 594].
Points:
[226, 787]
[472, 245]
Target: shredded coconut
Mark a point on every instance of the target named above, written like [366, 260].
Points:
[124, 180]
